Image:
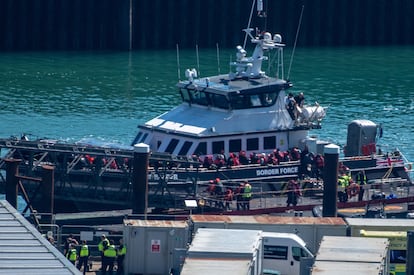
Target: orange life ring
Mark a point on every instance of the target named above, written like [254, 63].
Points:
[353, 190]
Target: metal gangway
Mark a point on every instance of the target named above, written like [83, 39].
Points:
[91, 177]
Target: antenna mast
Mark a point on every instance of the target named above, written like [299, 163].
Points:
[218, 58]
[198, 61]
[178, 62]
[296, 40]
[250, 21]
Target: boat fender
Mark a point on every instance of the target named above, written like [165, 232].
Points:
[353, 190]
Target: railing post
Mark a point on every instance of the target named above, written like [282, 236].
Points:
[330, 181]
[140, 179]
[12, 181]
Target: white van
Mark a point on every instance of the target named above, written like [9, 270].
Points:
[283, 251]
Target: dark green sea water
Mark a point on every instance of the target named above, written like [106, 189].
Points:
[75, 95]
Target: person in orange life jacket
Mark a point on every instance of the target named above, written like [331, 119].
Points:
[83, 257]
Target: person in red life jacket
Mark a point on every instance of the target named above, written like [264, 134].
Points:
[208, 161]
[295, 153]
[293, 193]
[219, 161]
[279, 155]
[239, 196]
[233, 160]
[211, 189]
[219, 193]
[320, 163]
[228, 198]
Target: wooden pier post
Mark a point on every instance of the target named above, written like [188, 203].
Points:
[140, 179]
[330, 181]
[12, 181]
[48, 194]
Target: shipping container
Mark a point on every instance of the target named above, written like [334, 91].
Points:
[336, 252]
[309, 229]
[216, 266]
[154, 246]
[358, 224]
[344, 268]
[230, 244]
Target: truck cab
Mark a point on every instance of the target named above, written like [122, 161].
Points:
[283, 252]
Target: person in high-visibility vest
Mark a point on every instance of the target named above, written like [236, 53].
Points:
[71, 255]
[361, 179]
[247, 195]
[102, 245]
[121, 252]
[83, 257]
[109, 258]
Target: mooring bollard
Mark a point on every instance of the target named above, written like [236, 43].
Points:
[140, 179]
[330, 181]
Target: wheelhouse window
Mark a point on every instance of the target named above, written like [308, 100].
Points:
[218, 146]
[184, 149]
[269, 143]
[245, 101]
[219, 101]
[235, 145]
[171, 146]
[185, 95]
[252, 144]
[201, 149]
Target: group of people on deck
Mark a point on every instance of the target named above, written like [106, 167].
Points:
[242, 158]
[351, 187]
[221, 196]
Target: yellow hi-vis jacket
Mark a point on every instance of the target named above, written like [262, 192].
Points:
[84, 251]
[110, 251]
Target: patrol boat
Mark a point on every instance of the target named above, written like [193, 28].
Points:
[245, 113]
[242, 111]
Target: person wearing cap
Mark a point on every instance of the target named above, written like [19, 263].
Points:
[103, 244]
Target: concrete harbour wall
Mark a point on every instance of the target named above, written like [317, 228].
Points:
[161, 24]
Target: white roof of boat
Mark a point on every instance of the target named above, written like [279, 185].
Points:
[201, 121]
[23, 250]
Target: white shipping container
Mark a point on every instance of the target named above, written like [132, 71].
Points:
[216, 266]
[228, 244]
[335, 251]
[309, 229]
[152, 244]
